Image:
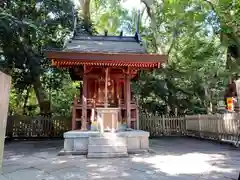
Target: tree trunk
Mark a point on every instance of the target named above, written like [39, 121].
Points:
[149, 5]
[85, 12]
[26, 100]
[158, 47]
[43, 101]
[208, 99]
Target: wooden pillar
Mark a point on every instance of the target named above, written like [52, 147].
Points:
[117, 92]
[128, 98]
[75, 101]
[95, 90]
[118, 100]
[106, 89]
[137, 113]
[84, 103]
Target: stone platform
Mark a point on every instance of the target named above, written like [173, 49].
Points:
[96, 145]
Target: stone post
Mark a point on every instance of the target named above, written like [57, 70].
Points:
[5, 84]
[238, 93]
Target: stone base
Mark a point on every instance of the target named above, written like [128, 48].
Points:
[94, 144]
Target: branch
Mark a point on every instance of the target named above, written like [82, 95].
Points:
[147, 5]
[211, 5]
[173, 42]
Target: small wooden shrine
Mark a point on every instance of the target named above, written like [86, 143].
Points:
[105, 65]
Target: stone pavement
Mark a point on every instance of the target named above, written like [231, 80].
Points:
[174, 158]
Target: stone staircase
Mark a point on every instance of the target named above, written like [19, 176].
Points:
[107, 146]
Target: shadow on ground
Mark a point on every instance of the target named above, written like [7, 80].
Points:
[174, 158]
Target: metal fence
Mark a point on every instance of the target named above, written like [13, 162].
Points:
[218, 126]
[30, 127]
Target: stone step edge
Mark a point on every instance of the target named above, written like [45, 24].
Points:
[71, 153]
[108, 149]
[106, 142]
[107, 155]
[106, 145]
[107, 138]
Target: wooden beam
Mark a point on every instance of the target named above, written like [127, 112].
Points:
[69, 63]
[118, 76]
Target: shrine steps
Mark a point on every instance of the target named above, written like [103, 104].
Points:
[107, 147]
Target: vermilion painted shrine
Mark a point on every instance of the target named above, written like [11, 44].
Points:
[105, 65]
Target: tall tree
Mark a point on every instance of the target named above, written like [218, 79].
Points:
[26, 27]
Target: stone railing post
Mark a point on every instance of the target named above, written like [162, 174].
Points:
[219, 119]
[5, 84]
[75, 102]
[185, 125]
[163, 124]
[199, 125]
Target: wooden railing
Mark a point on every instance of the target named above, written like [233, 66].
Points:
[162, 125]
[92, 103]
[26, 127]
[219, 126]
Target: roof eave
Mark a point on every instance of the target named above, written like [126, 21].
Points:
[134, 57]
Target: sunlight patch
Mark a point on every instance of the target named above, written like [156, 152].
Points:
[192, 163]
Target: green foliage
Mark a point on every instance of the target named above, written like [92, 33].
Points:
[26, 28]
[110, 15]
[195, 78]
[62, 98]
[196, 36]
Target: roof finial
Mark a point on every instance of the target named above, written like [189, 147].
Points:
[74, 13]
[137, 36]
[105, 32]
[138, 21]
[121, 33]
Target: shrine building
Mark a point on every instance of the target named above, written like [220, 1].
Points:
[106, 66]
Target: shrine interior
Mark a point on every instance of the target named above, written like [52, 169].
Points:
[115, 86]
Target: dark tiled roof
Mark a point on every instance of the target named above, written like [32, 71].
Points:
[105, 44]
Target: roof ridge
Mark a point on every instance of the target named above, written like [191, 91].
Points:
[106, 38]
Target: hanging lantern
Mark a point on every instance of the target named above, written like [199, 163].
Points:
[230, 104]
